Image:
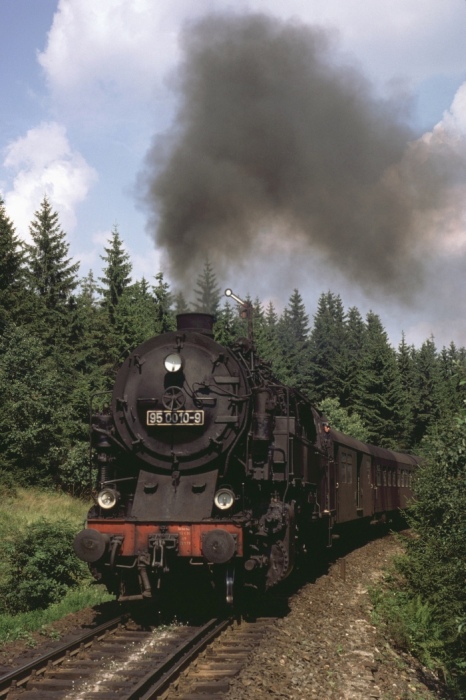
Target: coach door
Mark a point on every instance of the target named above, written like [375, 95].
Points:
[365, 506]
[347, 485]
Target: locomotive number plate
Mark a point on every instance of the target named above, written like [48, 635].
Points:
[175, 417]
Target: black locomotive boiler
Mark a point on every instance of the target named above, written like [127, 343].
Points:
[204, 459]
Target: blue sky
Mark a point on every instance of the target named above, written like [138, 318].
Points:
[87, 86]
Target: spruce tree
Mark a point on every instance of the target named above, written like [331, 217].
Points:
[267, 341]
[431, 403]
[90, 379]
[271, 316]
[135, 317]
[326, 348]
[117, 274]
[452, 372]
[380, 401]
[406, 367]
[352, 351]
[293, 337]
[35, 420]
[116, 280]
[207, 291]
[180, 304]
[164, 317]
[12, 287]
[298, 317]
[87, 326]
[228, 326]
[51, 276]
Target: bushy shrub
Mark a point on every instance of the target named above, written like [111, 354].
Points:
[411, 623]
[424, 605]
[343, 421]
[74, 474]
[42, 565]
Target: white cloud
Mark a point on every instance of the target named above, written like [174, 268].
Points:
[449, 136]
[117, 54]
[43, 163]
[101, 54]
[411, 38]
[454, 120]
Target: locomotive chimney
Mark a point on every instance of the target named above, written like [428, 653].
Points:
[200, 323]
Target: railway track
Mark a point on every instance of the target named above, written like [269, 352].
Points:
[119, 660]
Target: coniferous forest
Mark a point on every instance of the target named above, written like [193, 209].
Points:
[63, 337]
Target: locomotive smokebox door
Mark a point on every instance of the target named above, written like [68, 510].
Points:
[179, 399]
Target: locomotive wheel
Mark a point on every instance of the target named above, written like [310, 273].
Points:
[279, 562]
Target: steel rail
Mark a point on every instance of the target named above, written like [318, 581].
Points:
[157, 680]
[21, 675]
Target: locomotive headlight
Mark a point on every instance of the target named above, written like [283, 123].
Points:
[173, 362]
[108, 498]
[224, 499]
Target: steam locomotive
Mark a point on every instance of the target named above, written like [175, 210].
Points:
[205, 460]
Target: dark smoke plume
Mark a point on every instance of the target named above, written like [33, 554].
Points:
[275, 137]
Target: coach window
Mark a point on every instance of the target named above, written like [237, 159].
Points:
[389, 477]
[349, 469]
[384, 477]
[379, 476]
[343, 468]
[398, 479]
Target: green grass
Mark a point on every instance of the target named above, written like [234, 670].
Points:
[29, 505]
[14, 627]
